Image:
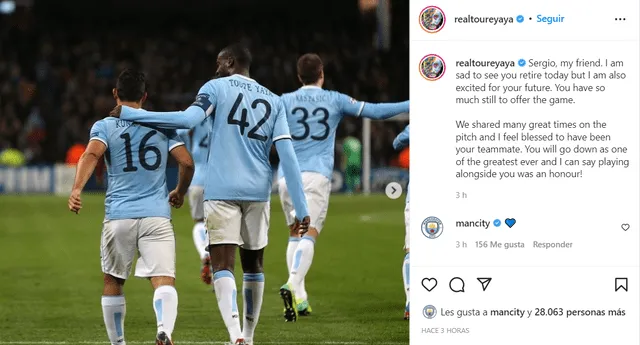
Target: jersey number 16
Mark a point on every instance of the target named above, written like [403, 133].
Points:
[142, 152]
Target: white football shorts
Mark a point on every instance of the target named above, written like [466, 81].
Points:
[151, 237]
[196, 202]
[244, 223]
[317, 189]
[407, 228]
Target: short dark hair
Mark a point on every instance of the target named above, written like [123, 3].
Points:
[131, 85]
[309, 68]
[240, 54]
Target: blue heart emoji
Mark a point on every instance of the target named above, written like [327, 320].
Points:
[510, 222]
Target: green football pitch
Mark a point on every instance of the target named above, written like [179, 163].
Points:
[51, 283]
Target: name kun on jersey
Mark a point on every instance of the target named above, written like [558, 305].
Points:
[125, 123]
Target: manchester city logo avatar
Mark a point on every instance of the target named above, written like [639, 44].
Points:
[429, 311]
[432, 227]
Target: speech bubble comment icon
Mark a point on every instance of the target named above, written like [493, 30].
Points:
[456, 284]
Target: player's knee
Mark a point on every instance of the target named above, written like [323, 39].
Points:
[223, 257]
[111, 280]
[112, 285]
[221, 266]
[161, 281]
[223, 261]
[253, 267]
[252, 260]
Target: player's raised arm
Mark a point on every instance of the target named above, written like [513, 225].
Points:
[186, 168]
[87, 164]
[376, 111]
[289, 162]
[402, 140]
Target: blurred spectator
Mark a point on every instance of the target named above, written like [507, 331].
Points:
[74, 153]
[403, 158]
[352, 150]
[56, 75]
[11, 158]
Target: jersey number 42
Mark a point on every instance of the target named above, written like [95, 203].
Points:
[242, 123]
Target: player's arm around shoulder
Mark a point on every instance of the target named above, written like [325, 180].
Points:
[186, 169]
[98, 143]
[199, 110]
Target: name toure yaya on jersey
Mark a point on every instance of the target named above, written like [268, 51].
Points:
[252, 87]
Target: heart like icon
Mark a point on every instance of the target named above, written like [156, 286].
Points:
[625, 227]
[429, 283]
[510, 222]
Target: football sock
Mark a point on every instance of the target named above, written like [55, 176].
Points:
[253, 291]
[303, 289]
[200, 239]
[224, 284]
[165, 304]
[113, 311]
[405, 275]
[291, 249]
[301, 263]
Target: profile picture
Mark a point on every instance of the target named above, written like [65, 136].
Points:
[432, 227]
[429, 311]
[432, 67]
[432, 19]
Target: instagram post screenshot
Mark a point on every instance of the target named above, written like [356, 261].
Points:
[524, 177]
[257, 172]
[204, 172]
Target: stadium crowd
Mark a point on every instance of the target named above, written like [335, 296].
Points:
[56, 82]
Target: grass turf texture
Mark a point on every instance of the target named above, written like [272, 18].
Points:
[51, 279]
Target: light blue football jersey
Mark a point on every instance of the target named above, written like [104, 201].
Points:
[136, 160]
[247, 120]
[400, 142]
[200, 150]
[313, 115]
[183, 134]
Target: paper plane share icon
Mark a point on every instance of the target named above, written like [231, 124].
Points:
[485, 283]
